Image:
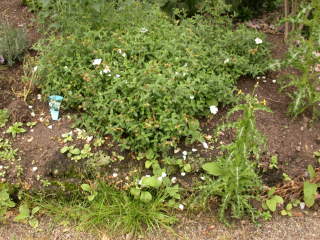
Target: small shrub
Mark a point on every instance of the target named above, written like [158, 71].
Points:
[13, 43]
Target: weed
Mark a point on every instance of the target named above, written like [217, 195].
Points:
[236, 181]
[4, 117]
[16, 128]
[25, 215]
[13, 43]
[7, 153]
[5, 201]
[304, 55]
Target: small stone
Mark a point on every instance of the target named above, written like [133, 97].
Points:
[33, 114]
[115, 175]
[34, 169]
[50, 126]
[274, 81]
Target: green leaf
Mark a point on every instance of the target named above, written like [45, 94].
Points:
[273, 202]
[64, 149]
[213, 168]
[33, 222]
[187, 168]
[309, 193]
[35, 210]
[135, 192]
[145, 196]
[147, 164]
[151, 182]
[24, 213]
[271, 191]
[86, 187]
[311, 171]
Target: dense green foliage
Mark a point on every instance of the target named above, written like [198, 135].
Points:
[155, 77]
[304, 56]
[13, 43]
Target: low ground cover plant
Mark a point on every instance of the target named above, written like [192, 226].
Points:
[142, 78]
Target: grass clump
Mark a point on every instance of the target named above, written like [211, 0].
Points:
[13, 43]
[110, 209]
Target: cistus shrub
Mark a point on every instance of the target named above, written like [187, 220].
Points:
[143, 78]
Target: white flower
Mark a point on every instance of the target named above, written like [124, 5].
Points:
[181, 207]
[89, 139]
[213, 109]
[183, 174]
[30, 107]
[147, 176]
[97, 61]
[106, 69]
[316, 54]
[174, 180]
[258, 40]
[163, 174]
[191, 97]
[274, 81]
[50, 126]
[205, 145]
[39, 96]
[115, 175]
[123, 54]
[34, 169]
[203, 178]
[184, 157]
[1, 167]
[144, 30]
[226, 61]
[160, 178]
[302, 205]
[258, 77]
[194, 150]
[184, 153]
[117, 76]
[33, 114]
[35, 68]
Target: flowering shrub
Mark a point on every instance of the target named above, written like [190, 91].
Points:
[144, 79]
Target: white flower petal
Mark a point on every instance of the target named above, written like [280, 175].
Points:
[97, 61]
[213, 109]
[258, 40]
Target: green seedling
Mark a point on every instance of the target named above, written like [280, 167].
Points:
[15, 129]
[25, 215]
[4, 117]
[273, 162]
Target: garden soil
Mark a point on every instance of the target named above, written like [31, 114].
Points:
[293, 141]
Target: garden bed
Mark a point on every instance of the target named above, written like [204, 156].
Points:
[40, 160]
